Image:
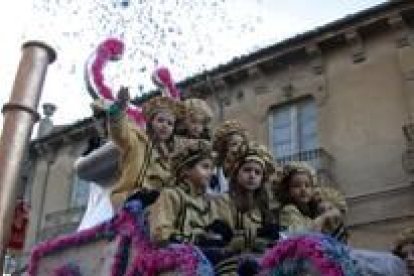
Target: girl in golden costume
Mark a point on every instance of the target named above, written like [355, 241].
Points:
[298, 205]
[252, 221]
[195, 120]
[246, 207]
[144, 153]
[228, 139]
[329, 198]
[184, 212]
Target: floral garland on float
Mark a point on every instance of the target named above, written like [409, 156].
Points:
[112, 49]
[308, 253]
[134, 255]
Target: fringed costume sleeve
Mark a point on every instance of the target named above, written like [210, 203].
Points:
[135, 156]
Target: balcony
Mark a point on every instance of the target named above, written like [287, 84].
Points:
[55, 231]
[318, 158]
[67, 216]
[61, 222]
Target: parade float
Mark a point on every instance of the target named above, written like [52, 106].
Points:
[117, 242]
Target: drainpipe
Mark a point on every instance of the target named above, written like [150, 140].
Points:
[19, 117]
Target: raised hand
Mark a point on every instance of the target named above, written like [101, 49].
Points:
[123, 97]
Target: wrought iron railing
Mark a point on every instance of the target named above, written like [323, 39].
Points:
[67, 216]
[61, 222]
[318, 158]
[55, 231]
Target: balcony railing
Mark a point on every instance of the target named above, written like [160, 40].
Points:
[55, 231]
[318, 158]
[61, 222]
[67, 216]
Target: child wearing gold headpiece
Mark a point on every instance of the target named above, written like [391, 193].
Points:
[246, 207]
[144, 153]
[254, 225]
[328, 198]
[227, 140]
[298, 205]
[183, 212]
[195, 120]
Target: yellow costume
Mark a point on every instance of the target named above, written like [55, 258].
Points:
[141, 164]
[179, 215]
[294, 221]
[246, 224]
[182, 212]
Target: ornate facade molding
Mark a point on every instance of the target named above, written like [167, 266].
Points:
[316, 61]
[402, 31]
[355, 41]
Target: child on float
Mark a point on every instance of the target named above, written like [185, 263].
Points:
[194, 122]
[404, 248]
[254, 226]
[298, 206]
[246, 209]
[328, 198]
[144, 153]
[227, 140]
[183, 212]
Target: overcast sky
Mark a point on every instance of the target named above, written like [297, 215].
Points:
[204, 33]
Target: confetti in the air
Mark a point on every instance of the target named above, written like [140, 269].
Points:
[187, 36]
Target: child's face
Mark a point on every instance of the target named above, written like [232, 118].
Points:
[194, 125]
[408, 256]
[200, 174]
[250, 176]
[234, 143]
[300, 188]
[163, 125]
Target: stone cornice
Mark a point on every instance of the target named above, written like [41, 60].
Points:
[385, 192]
[273, 55]
[345, 32]
[67, 134]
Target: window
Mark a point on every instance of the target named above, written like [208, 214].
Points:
[80, 193]
[293, 129]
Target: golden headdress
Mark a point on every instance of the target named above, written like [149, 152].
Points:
[299, 166]
[405, 237]
[254, 152]
[190, 151]
[224, 131]
[199, 108]
[333, 196]
[159, 103]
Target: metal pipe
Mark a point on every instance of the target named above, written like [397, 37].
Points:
[19, 117]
